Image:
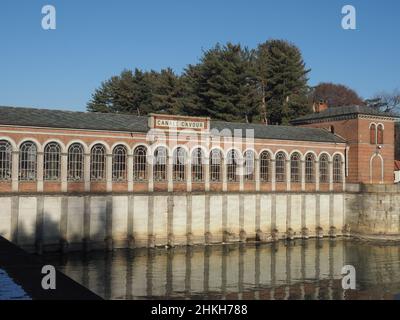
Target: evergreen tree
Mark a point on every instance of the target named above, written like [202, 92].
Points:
[139, 93]
[283, 81]
[222, 85]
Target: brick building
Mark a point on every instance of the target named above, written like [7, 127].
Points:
[370, 137]
[50, 151]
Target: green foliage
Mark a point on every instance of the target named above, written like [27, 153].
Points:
[283, 77]
[230, 82]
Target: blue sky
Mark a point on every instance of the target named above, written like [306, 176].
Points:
[97, 39]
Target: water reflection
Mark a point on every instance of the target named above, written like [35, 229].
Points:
[302, 269]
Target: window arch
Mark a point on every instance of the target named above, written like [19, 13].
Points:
[232, 163]
[215, 165]
[379, 134]
[197, 165]
[179, 164]
[337, 169]
[27, 161]
[280, 167]
[140, 163]
[52, 162]
[265, 166]
[310, 168]
[98, 163]
[295, 167]
[75, 162]
[160, 164]
[249, 165]
[5, 160]
[324, 168]
[372, 133]
[119, 157]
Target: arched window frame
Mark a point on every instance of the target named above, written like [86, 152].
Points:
[75, 163]
[179, 165]
[337, 168]
[372, 133]
[160, 164]
[52, 162]
[295, 167]
[310, 168]
[140, 164]
[232, 160]
[27, 161]
[98, 163]
[5, 160]
[379, 134]
[324, 168]
[249, 165]
[119, 161]
[197, 165]
[215, 165]
[280, 167]
[265, 166]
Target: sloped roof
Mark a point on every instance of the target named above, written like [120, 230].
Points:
[31, 117]
[343, 111]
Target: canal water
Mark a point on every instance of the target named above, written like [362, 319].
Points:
[301, 269]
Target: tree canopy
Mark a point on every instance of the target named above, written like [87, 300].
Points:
[230, 82]
[336, 95]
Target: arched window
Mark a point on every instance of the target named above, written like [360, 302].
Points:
[295, 167]
[5, 160]
[179, 164]
[379, 134]
[323, 168]
[265, 166]
[310, 168]
[372, 134]
[140, 164]
[249, 165]
[215, 165]
[75, 162]
[337, 169]
[160, 164]
[197, 165]
[280, 167]
[27, 161]
[98, 163]
[232, 163]
[52, 162]
[119, 156]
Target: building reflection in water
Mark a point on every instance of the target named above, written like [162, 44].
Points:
[301, 269]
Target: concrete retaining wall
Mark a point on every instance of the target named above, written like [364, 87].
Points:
[51, 222]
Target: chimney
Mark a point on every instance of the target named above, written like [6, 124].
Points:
[320, 106]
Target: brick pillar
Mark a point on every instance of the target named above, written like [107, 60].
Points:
[317, 175]
[303, 175]
[257, 173]
[188, 174]
[109, 172]
[64, 172]
[224, 175]
[288, 185]
[39, 171]
[129, 172]
[241, 168]
[273, 175]
[170, 160]
[150, 175]
[86, 172]
[14, 173]
[330, 166]
[206, 176]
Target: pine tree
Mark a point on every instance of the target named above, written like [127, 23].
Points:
[283, 80]
[222, 85]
